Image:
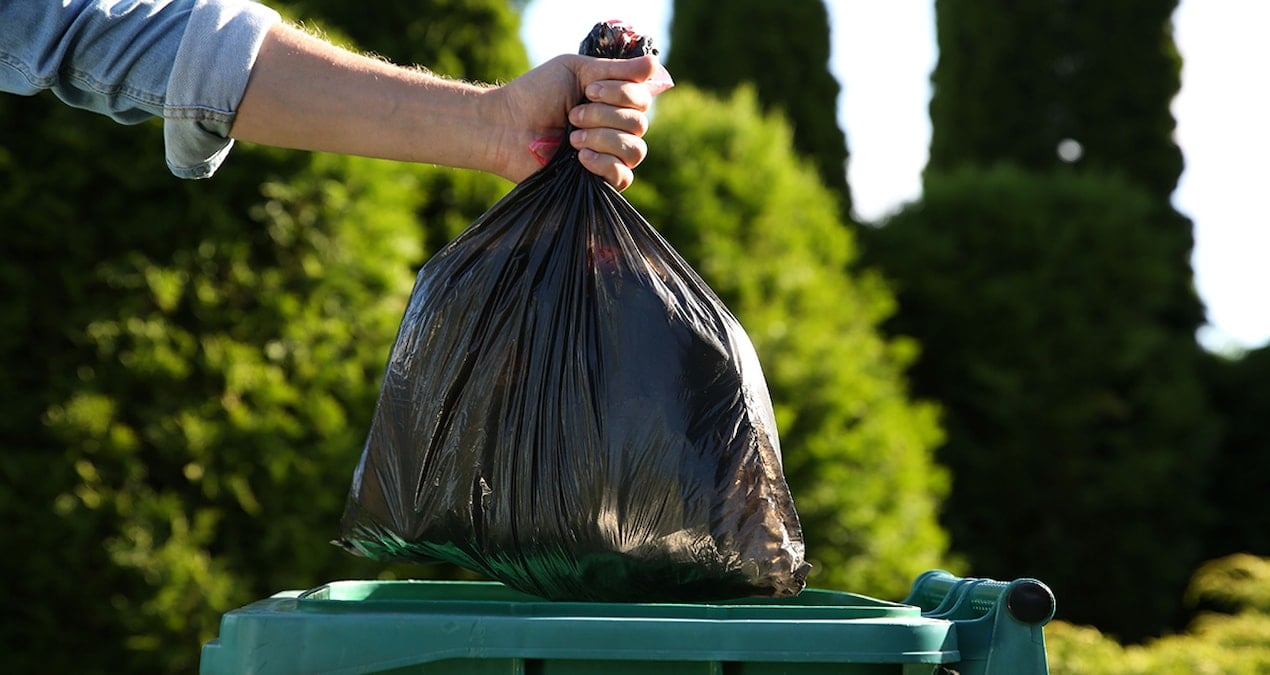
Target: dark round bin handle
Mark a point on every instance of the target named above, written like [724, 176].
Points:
[1030, 601]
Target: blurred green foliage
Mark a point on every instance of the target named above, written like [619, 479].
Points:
[173, 402]
[190, 368]
[1079, 429]
[464, 39]
[727, 189]
[1232, 641]
[199, 369]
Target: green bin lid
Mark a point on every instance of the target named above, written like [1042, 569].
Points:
[494, 599]
[485, 627]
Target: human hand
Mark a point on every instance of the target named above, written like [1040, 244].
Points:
[609, 121]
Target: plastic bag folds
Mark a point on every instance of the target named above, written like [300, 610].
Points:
[570, 409]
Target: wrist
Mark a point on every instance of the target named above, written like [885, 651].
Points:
[486, 129]
[502, 142]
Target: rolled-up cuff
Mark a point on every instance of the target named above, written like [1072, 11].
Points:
[208, 80]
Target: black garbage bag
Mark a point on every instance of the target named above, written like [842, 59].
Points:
[570, 410]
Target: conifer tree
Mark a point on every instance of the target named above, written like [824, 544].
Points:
[1079, 84]
[782, 49]
[1078, 426]
[1047, 277]
[1046, 84]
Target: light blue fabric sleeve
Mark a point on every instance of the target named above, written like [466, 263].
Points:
[186, 61]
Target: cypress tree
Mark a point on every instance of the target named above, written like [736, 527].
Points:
[1036, 105]
[1080, 437]
[783, 50]
[1046, 84]
[1077, 83]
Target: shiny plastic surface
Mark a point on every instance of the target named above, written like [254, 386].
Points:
[445, 628]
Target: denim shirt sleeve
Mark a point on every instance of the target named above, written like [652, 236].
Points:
[186, 61]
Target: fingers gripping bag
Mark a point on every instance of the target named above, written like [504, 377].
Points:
[570, 410]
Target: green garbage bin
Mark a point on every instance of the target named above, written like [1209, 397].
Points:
[946, 625]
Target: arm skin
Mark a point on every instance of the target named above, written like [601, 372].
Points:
[305, 93]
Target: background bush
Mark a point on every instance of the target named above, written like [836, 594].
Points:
[1231, 635]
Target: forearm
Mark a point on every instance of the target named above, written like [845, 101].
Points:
[307, 94]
